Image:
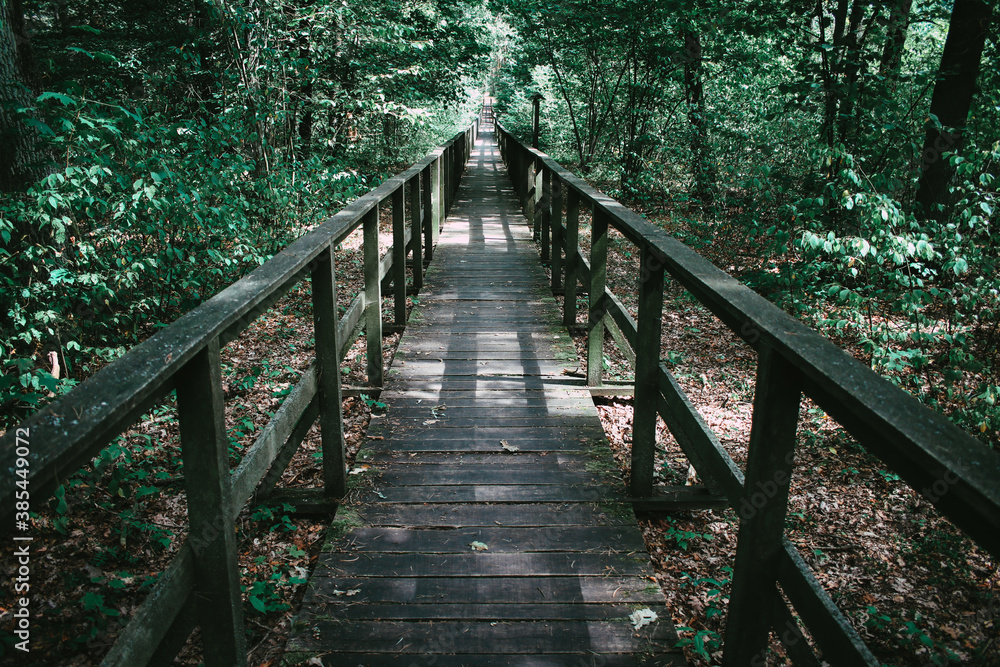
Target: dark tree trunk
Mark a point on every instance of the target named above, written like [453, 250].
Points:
[853, 64]
[20, 157]
[950, 103]
[833, 57]
[895, 39]
[704, 174]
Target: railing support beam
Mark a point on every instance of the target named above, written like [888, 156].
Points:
[373, 299]
[647, 367]
[762, 510]
[201, 411]
[399, 255]
[597, 312]
[572, 257]
[416, 228]
[331, 417]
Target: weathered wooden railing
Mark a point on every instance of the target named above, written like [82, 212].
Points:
[201, 586]
[955, 472]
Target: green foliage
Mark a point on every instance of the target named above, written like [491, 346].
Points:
[182, 155]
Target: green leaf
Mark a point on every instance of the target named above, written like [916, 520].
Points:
[258, 604]
[65, 100]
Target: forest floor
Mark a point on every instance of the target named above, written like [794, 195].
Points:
[916, 590]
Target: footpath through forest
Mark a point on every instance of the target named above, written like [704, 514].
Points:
[489, 520]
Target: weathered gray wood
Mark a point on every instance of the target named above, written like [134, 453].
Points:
[717, 469]
[788, 632]
[373, 301]
[177, 635]
[647, 360]
[350, 324]
[399, 256]
[558, 234]
[679, 498]
[257, 460]
[437, 204]
[762, 511]
[324, 292]
[306, 502]
[416, 231]
[572, 256]
[597, 311]
[427, 190]
[545, 206]
[443, 499]
[287, 451]
[149, 625]
[833, 632]
[201, 413]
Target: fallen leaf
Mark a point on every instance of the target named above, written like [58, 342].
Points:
[478, 546]
[642, 617]
[507, 447]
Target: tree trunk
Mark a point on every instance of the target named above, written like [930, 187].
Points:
[704, 174]
[895, 39]
[20, 157]
[950, 103]
[852, 69]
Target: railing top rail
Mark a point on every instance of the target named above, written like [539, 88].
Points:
[74, 428]
[947, 465]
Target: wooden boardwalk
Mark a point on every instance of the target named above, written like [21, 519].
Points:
[490, 528]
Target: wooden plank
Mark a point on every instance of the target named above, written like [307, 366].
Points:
[491, 493]
[391, 611]
[602, 589]
[469, 473]
[509, 638]
[480, 564]
[486, 660]
[833, 632]
[497, 539]
[461, 515]
[536, 589]
[257, 460]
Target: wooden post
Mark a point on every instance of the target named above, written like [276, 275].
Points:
[399, 255]
[558, 236]
[536, 103]
[536, 204]
[448, 165]
[529, 192]
[416, 231]
[647, 367]
[202, 413]
[597, 312]
[331, 415]
[437, 187]
[373, 299]
[762, 510]
[545, 202]
[428, 194]
[572, 257]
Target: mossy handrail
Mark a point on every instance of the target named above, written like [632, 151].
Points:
[953, 470]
